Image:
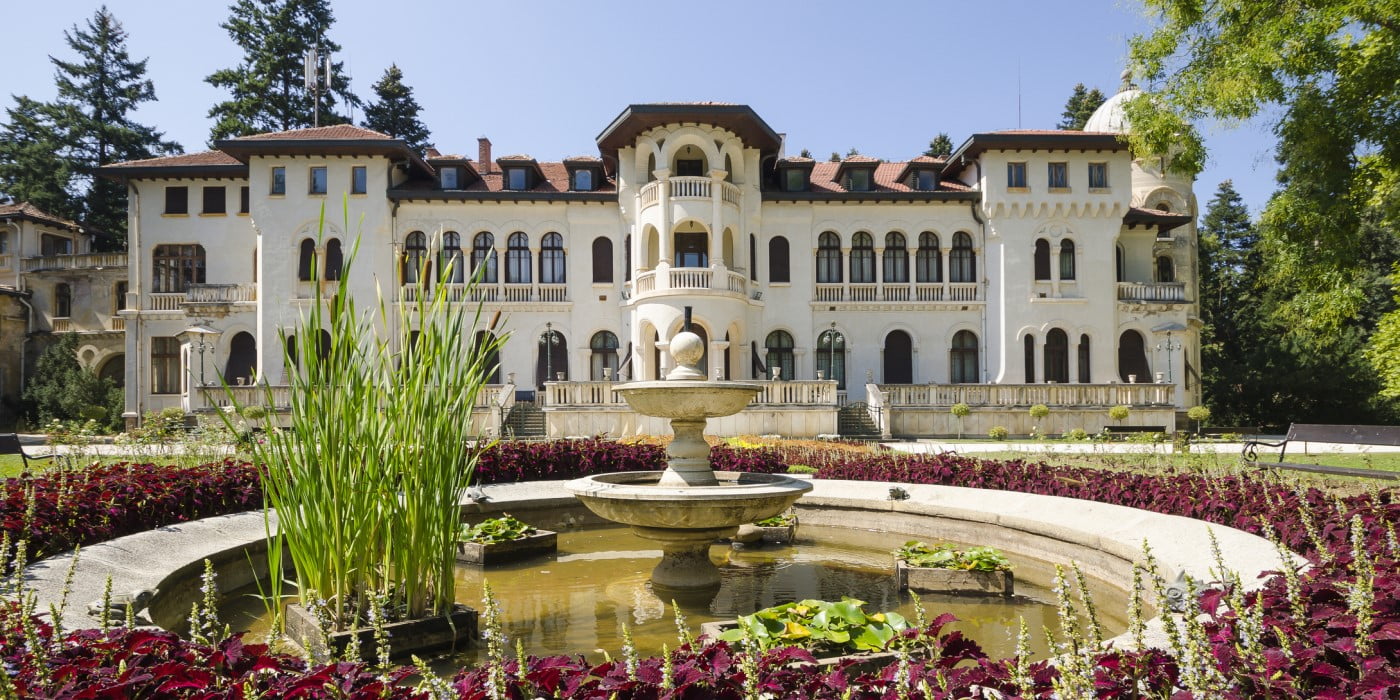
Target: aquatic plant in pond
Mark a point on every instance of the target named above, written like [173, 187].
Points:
[945, 556]
[367, 480]
[506, 528]
[820, 626]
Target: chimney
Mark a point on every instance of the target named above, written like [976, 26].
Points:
[483, 154]
[433, 152]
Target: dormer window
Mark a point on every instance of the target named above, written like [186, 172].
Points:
[926, 180]
[858, 180]
[583, 180]
[517, 179]
[450, 178]
[794, 180]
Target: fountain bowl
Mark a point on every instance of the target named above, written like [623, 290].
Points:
[636, 499]
[688, 400]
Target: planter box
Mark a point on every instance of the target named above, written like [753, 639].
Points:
[953, 581]
[864, 662]
[780, 534]
[477, 554]
[454, 630]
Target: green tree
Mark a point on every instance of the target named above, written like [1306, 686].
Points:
[395, 112]
[61, 389]
[805, 154]
[30, 166]
[267, 89]
[97, 93]
[940, 146]
[1232, 308]
[835, 157]
[1079, 107]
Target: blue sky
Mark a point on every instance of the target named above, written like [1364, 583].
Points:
[544, 77]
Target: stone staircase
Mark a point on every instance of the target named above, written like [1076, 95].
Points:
[525, 421]
[853, 423]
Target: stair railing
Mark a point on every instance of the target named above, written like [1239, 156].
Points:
[875, 401]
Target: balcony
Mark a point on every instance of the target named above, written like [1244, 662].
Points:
[1053, 395]
[690, 188]
[953, 292]
[201, 294]
[82, 261]
[1155, 292]
[490, 293]
[691, 280]
[779, 393]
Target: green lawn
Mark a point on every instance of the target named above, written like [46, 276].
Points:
[12, 465]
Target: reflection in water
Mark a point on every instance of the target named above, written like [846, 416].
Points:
[579, 600]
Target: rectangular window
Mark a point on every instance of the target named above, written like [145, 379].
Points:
[177, 200]
[215, 201]
[243, 200]
[859, 181]
[690, 168]
[796, 180]
[516, 179]
[318, 179]
[359, 180]
[1098, 175]
[927, 180]
[1016, 175]
[119, 296]
[1059, 176]
[165, 365]
[279, 180]
[583, 180]
[449, 178]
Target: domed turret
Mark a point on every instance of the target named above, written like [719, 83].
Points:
[1109, 116]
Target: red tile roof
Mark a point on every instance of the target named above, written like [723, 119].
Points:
[858, 158]
[555, 179]
[338, 132]
[886, 179]
[202, 158]
[25, 210]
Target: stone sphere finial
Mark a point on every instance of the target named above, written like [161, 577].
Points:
[686, 348]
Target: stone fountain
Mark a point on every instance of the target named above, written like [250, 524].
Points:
[686, 507]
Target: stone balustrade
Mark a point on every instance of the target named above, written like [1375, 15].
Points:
[80, 261]
[1068, 395]
[897, 292]
[488, 293]
[221, 293]
[595, 393]
[1152, 291]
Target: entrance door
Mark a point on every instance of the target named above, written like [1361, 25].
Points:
[1132, 357]
[899, 358]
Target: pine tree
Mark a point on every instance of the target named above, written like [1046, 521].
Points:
[1080, 106]
[940, 147]
[97, 93]
[395, 112]
[1231, 308]
[267, 90]
[835, 157]
[31, 169]
[805, 154]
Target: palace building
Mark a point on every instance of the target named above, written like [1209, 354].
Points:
[869, 296]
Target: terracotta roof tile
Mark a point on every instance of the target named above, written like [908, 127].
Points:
[886, 179]
[797, 159]
[338, 132]
[928, 159]
[26, 210]
[201, 158]
[858, 158]
[583, 159]
[518, 156]
[556, 179]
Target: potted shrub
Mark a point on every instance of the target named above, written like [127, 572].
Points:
[943, 568]
[1198, 415]
[960, 411]
[502, 539]
[1118, 414]
[1038, 413]
[833, 632]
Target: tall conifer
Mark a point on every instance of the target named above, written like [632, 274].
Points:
[1079, 107]
[395, 111]
[31, 169]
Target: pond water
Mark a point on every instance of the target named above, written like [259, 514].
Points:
[578, 600]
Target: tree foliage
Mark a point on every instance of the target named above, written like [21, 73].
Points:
[394, 111]
[940, 146]
[50, 152]
[61, 389]
[267, 90]
[1079, 107]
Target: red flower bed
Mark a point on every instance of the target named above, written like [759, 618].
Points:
[60, 510]
[1311, 643]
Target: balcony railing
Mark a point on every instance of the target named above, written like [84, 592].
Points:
[946, 395]
[489, 293]
[651, 194]
[594, 393]
[690, 187]
[61, 324]
[164, 301]
[690, 278]
[5, 260]
[81, 261]
[221, 293]
[278, 397]
[116, 323]
[921, 292]
[1152, 291]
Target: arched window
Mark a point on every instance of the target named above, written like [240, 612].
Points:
[518, 259]
[1084, 359]
[1066, 260]
[484, 342]
[962, 261]
[114, 370]
[831, 356]
[1132, 358]
[484, 257]
[1057, 356]
[552, 358]
[862, 258]
[62, 300]
[552, 259]
[1118, 265]
[415, 256]
[450, 258]
[177, 267]
[306, 260]
[603, 356]
[651, 167]
[1029, 346]
[962, 360]
[896, 259]
[1042, 259]
[242, 359]
[899, 358]
[1166, 271]
[778, 255]
[779, 355]
[828, 258]
[930, 258]
[335, 259]
[602, 260]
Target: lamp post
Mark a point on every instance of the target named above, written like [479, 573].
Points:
[830, 337]
[200, 337]
[548, 350]
[1169, 346]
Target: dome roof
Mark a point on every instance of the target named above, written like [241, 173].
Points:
[1109, 116]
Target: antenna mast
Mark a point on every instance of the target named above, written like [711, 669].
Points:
[317, 70]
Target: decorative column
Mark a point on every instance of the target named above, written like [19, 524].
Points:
[667, 248]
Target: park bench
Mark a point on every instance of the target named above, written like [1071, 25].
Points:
[1386, 435]
[10, 445]
[1126, 430]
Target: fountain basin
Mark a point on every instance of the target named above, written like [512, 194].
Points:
[688, 400]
